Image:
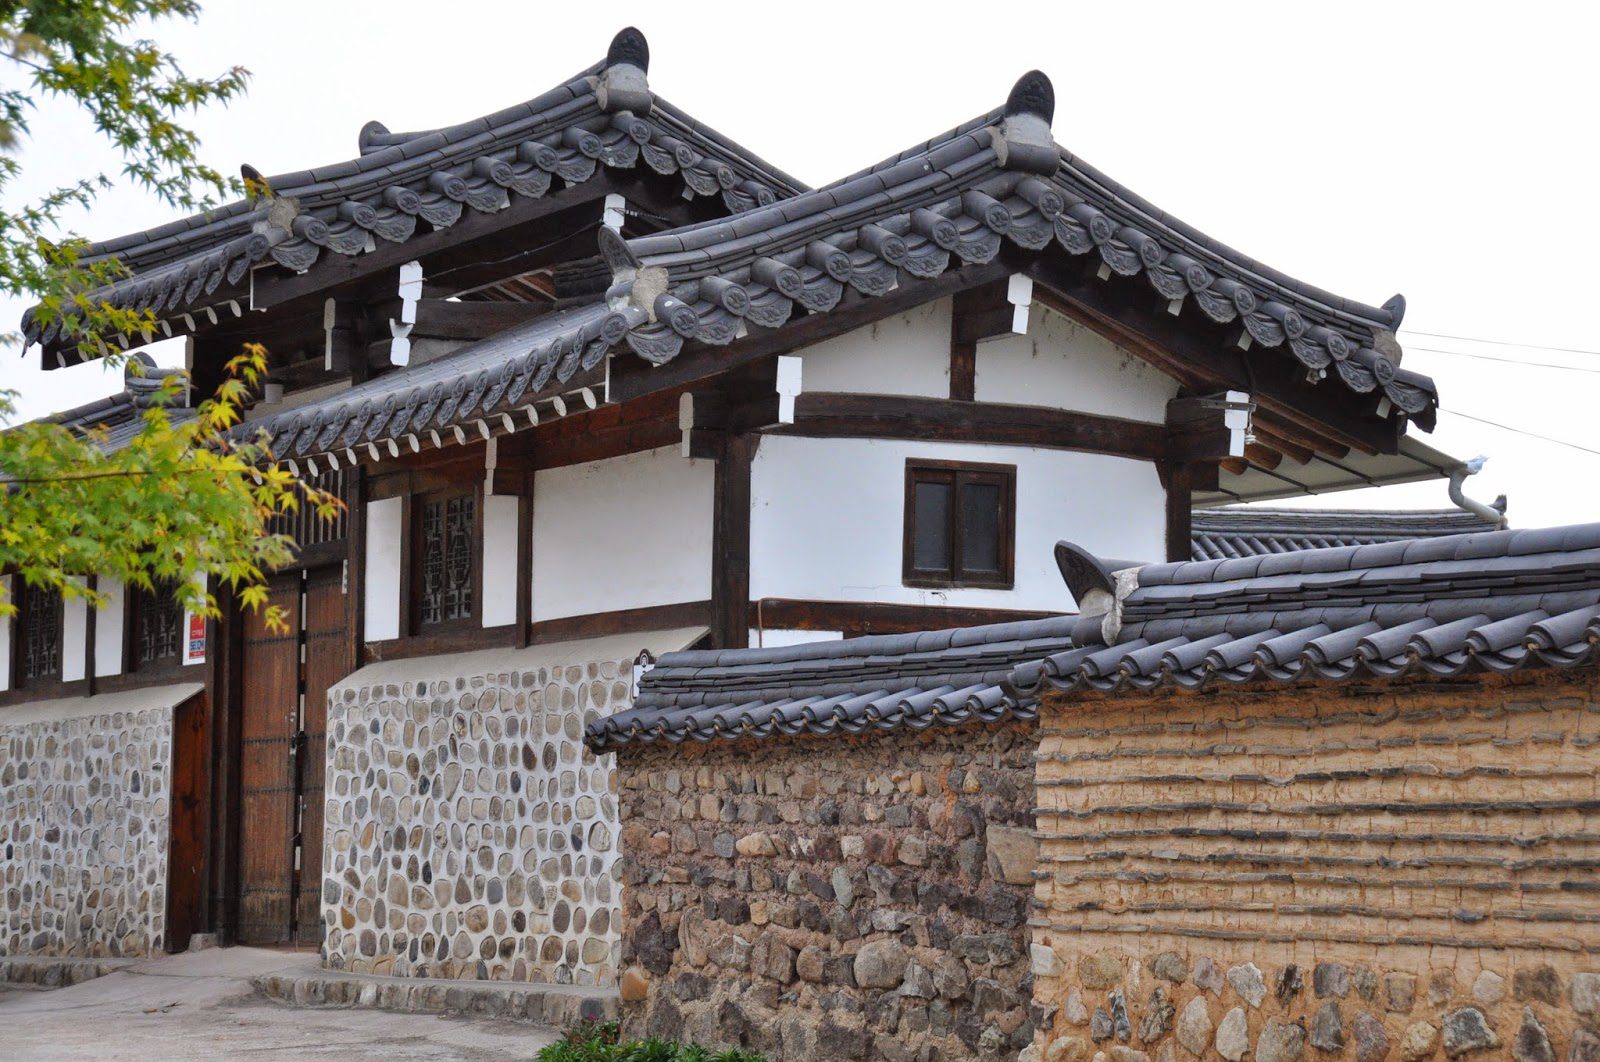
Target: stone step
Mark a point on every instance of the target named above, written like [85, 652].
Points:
[555, 1005]
[50, 972]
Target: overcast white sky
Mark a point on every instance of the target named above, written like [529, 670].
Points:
[1444, 151]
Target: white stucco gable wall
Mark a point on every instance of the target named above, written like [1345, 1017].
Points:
[1065, 365]
[907, 354]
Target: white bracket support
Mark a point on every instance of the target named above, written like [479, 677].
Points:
[1236, 418]
[1019, 293]
[788, 386]
[616, 208]
[330, 315]
[686, 419]
[400, 331]
[491, 461]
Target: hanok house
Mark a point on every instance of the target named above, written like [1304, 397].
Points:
[598, 385]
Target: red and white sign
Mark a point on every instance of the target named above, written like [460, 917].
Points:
[194, 642]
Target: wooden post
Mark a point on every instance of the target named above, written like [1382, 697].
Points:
[1180, 485]
[730, 546]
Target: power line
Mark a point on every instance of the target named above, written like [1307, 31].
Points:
[1507, 361]
[1503, 343]
[1520, 431]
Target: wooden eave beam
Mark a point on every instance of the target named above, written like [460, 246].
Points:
[333, 271]
[1193, 352]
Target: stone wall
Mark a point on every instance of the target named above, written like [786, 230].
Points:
[84, 803]
[469, 833]
[1401, 872]
[842, 898]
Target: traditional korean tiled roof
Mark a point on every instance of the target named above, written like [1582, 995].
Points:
[1495, 601]
[957, 200]
[1001, 181]
[938, 678]
[1448, 606]
[122, 414]
[405, 184]
[490, 385]
[1246, 531]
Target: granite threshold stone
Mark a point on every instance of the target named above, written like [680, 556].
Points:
[544, 1004]
[47, 971]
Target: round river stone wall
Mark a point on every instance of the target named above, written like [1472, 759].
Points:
[469, 832]
[83, 834]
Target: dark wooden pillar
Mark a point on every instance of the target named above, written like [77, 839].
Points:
[1180, 479]
[730, 542]
[222, 871]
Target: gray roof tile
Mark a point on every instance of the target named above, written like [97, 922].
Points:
[1524, 598]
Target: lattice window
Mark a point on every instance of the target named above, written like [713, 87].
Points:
[304, 525]
[159, 625]
[447, 559]
[41, 632]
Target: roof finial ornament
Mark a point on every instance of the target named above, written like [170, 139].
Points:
[616, 253]
[1397, 310]
[1024, 141]
[621, 85]
[255, 185]
[1033, 94]
[630, 47]
[369, 138]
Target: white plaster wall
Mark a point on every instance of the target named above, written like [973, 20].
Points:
[499, 560]
[773, 639]
[627, 532]
[5, 633]
[108, 637]
[908, 354]
[382, 577]
[1062, 364]
[75, 636]
[827, 518]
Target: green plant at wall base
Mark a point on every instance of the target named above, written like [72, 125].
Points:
[592, 1041]
[181, 500]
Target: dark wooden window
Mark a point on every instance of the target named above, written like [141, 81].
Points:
[41, 633]
[960, 524]
[316, 540]
[157, 627]
[448, 539]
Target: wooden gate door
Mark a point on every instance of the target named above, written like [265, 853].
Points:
[269, 720]
[283, 726]
[327, 660]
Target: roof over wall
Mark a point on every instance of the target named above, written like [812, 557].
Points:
[404, 185]
[1223, 533]
[122, 415]
[1454, 605]
[996, 189]
[835, 687]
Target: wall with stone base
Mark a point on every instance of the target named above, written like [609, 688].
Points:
[842, 898]
[1397, 872]
[84, 810]
[469, 833]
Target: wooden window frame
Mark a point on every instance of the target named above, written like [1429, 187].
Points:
[20, 679]
[132, 625]
[412, 562]
[960, 473]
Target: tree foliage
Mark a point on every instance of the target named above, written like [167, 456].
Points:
[182, 504]
[184, 499]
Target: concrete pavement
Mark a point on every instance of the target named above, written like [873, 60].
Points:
[200, 1005]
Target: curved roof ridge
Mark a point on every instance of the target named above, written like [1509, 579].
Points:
[1222, 252]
